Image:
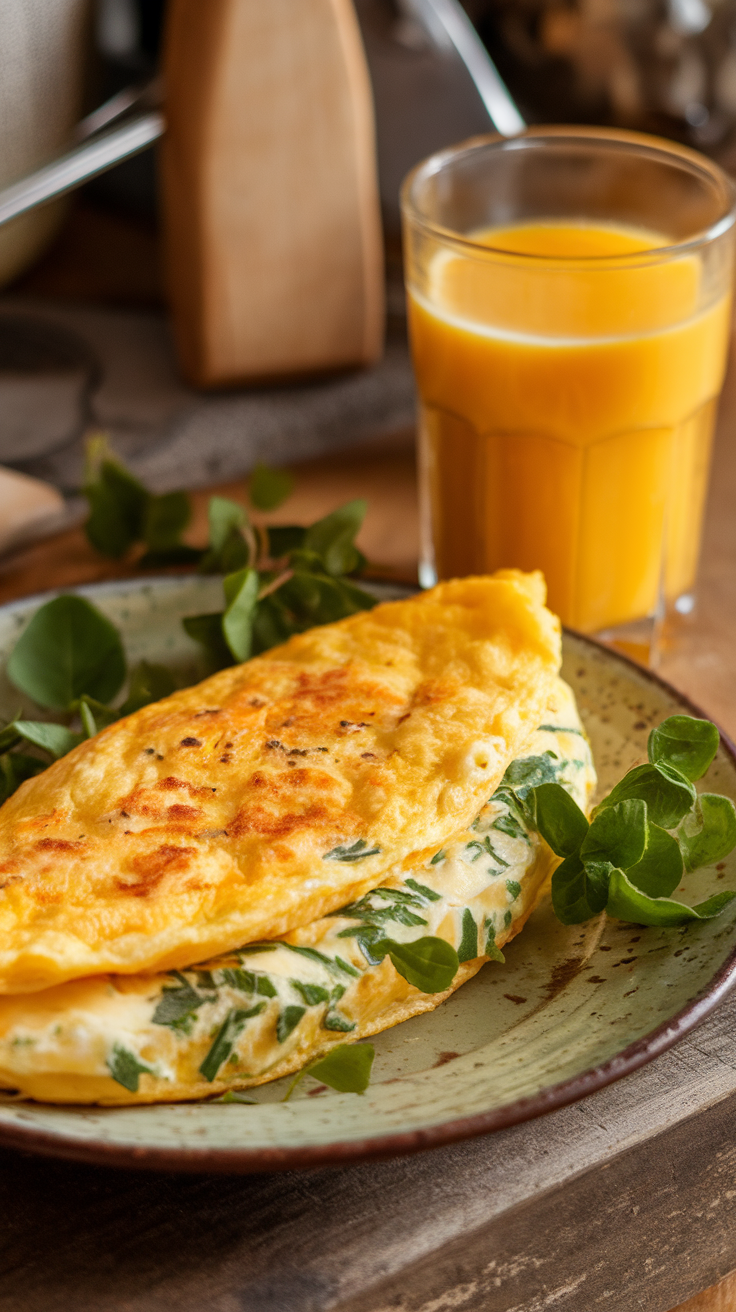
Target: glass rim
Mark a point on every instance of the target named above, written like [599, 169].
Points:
[639, 143]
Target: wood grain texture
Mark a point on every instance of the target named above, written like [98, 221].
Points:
[273, 237]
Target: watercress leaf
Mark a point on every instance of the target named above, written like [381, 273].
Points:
[100, 714]
[241, 595]
[356, 597]
[15, 768]
[686, 743]
[346, 1068]
[284, 538]
[272, 624]
[223, 516]
[53, 738]
[530, 772]
[165, 519]
[569, 892]
[429, 963]
[207, 630]
[233, 1096]
[625, 902]
[66, 650]
[312, 994]
[667, 793]
[9, 736]
[117, 503]
[332, 538]
[559, 819]
[660, 869]
[268, 488]
[617, 834]
[597, 878]
[708, 832]
[148, 683]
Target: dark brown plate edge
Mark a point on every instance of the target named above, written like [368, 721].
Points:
[203, 1161]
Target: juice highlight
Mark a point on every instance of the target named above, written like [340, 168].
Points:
[567, 413]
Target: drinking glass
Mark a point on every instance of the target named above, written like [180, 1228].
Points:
[569, 302]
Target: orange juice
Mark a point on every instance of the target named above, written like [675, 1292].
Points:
[567, 411]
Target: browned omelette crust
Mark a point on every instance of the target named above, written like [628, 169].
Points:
[203, 822]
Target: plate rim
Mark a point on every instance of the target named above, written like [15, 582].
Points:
[101, 1152]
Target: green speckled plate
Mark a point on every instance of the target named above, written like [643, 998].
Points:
[572, 1010]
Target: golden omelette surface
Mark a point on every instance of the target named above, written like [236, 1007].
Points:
[211, 819]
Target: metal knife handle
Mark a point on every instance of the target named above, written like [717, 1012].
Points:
[85, 161]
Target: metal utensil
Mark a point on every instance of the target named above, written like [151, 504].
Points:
[98, 150]
[447, 21]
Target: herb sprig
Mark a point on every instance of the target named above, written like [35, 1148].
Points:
[650, 830]
[278, 580]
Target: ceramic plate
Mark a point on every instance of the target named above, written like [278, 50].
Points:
[572, 1010]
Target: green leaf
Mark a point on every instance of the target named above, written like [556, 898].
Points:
[148, 683]
[468, 949]
[559, 819]
[660, 869]
[15, 768]
[224, 516]
[225, 1039]
[165, 519]
[53, 738]
[332, 538]
[430, 963]
[334, 1021]
[288, 1020]
[571, 889]
[118, 504]
[126, 1068]
[207, 630]
[708, 833]
[68, 649]
[667, 793]
[346, 1068]
[268, 488]
[529, 772]
[685, 743]
[283, 538]
[626, 903]
[241, 595]
[232, 1096]
[617, 834]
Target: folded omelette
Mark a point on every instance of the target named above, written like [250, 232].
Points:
[264, 800]
[268, 1008]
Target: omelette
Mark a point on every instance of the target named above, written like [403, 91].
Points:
[261, 801]
[268, 1008]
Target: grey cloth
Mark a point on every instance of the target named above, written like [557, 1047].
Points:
[115, 370]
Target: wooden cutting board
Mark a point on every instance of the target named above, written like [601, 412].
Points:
[272, 219]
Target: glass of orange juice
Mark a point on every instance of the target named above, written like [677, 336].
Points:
[569, 300]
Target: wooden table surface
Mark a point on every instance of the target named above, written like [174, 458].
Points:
[699, 658]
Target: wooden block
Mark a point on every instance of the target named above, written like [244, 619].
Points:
[272, 220]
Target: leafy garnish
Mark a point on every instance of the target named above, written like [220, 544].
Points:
[468, 949]
[430, 963]
[627, 861]
[346, 1068]
[269, 487]
[66, 650]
